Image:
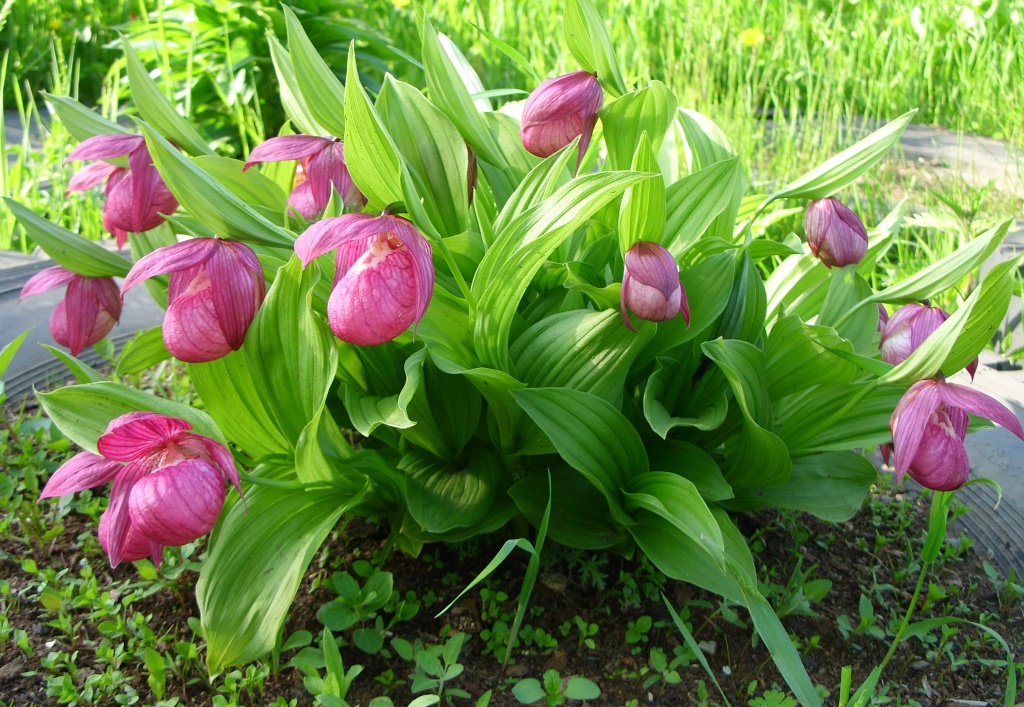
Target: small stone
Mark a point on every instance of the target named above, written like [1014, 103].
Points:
[708, 647]
[726, 670]
[920, 665]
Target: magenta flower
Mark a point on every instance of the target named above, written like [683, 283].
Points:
[909, 326]
[215, 289]
[383, 279]
[558, 111]
[835, 234]
[89, 310]
[168, 484]
[928, 429]
[135, 196]
[322, 166]
[650, 285]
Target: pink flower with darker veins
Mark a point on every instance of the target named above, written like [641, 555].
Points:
[136, 197]
[168, 484]
[835, 235]
[384, 276]
[928, 429]
[908, 328]
[560, 110]
[216, 287]
[650, 285]
[323, 166]
[89, 310]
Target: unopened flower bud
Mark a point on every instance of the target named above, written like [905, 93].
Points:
[558, 111]
[650, 285]
[835, 234]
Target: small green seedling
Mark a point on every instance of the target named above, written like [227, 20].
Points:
[555, 689]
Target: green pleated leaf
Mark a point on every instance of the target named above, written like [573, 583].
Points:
[144, 351]
[642, 214]
[443, 496]
[946, 273]
[848, 308]
[368, 412]
[291, 96]
[445, 408]
[694, 201]
[706, 142]
[804, 425]
[755, 455]
[82, 371]
[650, 110]
[590, 435]
[521, 248]
[82, 122]
[322, 94]
[258, 555]
[66, 248]
[677, 500]
[582, 350]
[743, 317]
[252, 187]
[693, 463]
[157, 110]
[209, 201]
[590, 45]
[433, 151]
[370, 154]
[539, 183]
[82, 412]
[831, 486]
[841, 171]
[704, 412]
[967, 331]
[799, 356]
[579, 511]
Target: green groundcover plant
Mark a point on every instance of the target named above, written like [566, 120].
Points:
[567, 315]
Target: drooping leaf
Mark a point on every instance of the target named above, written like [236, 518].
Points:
[370, 154]
[321, 92]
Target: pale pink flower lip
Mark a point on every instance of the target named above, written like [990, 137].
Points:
[834, 233]
[215, 289]
[650, 285]
[90, 308]
[384, 276]
[928, 428]
[323, 167]
[560, 110]
[168, 484]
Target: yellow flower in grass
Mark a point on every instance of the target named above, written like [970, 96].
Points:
[751, 37]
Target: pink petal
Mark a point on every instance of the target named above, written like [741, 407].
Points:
[138, 435]
[91, 175]
[170, 258]
[301, 201]
[116, 524]
[324, 170]
[909, 420]
[976, 402]
[376, 300]
[82, 471]
[286, 147]
[941, 462]
[103, 147]
[81, 309]
[217, 454]
[192, 328]
[423, 264]
[624, 294]
[178, 503]
[331, 233]
[236, 290]
[45, 280]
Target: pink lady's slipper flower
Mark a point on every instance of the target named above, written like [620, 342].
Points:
[322, 166]
[650, 285]
[384, 276]
[835, 234]
[168, 484]
[909, 326]
[928, 429]
[215, 289]
[89, 310]
[558, 111]
[883, 318]
[135, 196]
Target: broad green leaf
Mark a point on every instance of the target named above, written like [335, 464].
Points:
[664, 412]
[443, 496]
[693, 463]
[642, 214]
[588, 42]
[252, 187]
[322, 94]
[840, 171]
[831, 486]
[677, 500]
[694, 201]
[323, 454]
[580, 349]
[66, 248]
[368, 412]
[208, 200]
[82, 122]
[370, 154]
[649, 110]
[82, 371]
[82, 412]
[579, 511]
[706, 144]
[145, 350]
[805, 420]
[743, 317]
[798, 286]
[965, 334]
[157, 110]
[847, 308]
[799, 356]
[522, 247]
[755, 455]
[447, 331]
[946, 273]
[538, 184]
[445, 408]
[258, 555]
[8, 352]
[291, 97]
[590, 435]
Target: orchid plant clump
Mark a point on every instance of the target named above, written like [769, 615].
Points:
[520, 320]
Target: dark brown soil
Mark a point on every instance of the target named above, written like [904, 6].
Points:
[848, 554]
